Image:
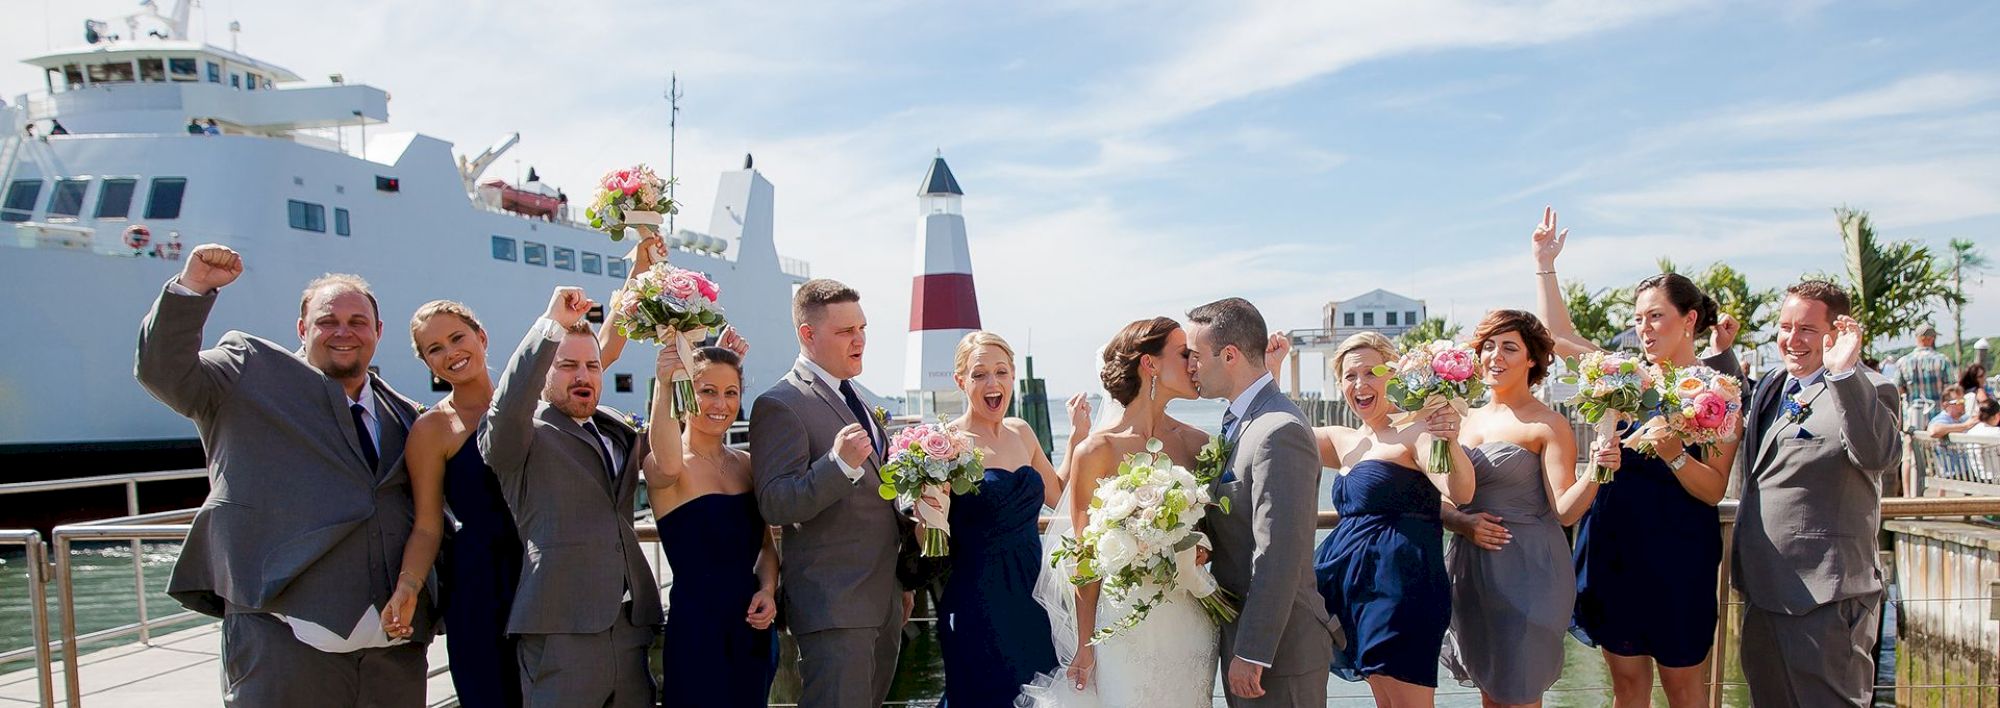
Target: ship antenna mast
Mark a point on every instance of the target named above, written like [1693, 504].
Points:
[673, 127]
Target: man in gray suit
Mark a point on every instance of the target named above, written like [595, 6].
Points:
[1819, 436]
[814, 451]
[299, 542]
[1277, 650]
[587, 604]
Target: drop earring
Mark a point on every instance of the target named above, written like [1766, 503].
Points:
[1153, 392]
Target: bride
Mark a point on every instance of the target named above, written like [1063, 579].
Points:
[1167, 660]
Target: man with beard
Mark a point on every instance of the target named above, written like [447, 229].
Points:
[298, 544]
[588, 603]
[1820, 433]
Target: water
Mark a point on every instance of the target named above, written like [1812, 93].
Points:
[103, 583]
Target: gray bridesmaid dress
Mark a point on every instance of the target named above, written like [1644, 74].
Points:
[1510, 608]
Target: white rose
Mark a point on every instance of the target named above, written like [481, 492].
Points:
[1116, 549]
[1118, 505]
[1150, 496]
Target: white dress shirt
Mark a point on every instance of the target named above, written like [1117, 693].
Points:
[1240, 405]
[853, 473]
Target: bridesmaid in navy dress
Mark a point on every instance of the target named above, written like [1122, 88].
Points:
[719, 649]
[994, 635]
[1382, 569]
[484, 562]
[1648, 549]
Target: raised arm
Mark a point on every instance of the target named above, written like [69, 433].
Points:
[170, 363]
[1554, 311]
[510, 426]
[665, 463]
[1868, 425]
[610, 342]
[1079, 430]
[1284, 505]
[794, 484]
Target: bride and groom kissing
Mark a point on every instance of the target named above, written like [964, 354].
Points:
[1276, 651]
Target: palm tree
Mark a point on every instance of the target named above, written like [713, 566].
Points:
[1599, 316]
[1755, 309]
[1893, 284]
[1965, 258]
[1427, 331]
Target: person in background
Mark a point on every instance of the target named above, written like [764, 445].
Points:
[1951, 416]
[1973, 381]
[1922, 375]
[194, 126]
[210, 128]
[1989, 418]
[56, 127]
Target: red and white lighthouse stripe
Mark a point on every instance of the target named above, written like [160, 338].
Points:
[944, 306]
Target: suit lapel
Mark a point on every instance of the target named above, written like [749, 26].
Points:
[1761, 401]
[394, 431]
[561, 421]
[343, 418]
[834, 402]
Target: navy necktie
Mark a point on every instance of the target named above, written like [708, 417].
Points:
[1228, 435]
[603, 452]
[367, 441]
[861, 414]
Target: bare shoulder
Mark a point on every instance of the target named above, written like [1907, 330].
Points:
[1023, 430]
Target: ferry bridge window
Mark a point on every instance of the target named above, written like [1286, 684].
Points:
[114, 199]
[235, 80]
[111, 73]
[614, 267]
[164, 202]
[340, 222]
[622, 383]
[566, 258]
[72, 76]
[214, 73]
[67, 201]
[152, 70]
[181, 69]
[503, 248]
[20, 202]
[534, 253]
[592, 263]
[306, 215]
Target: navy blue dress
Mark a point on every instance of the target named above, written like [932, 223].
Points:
[1382, 574]
[1646, 558]
[713, 658]
[480, 571]
[993, 634]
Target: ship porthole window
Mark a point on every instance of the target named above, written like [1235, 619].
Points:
[340, 225]
[306, 216]
[616, 268]
[622, 383]
[114, 199]
[164, 202]
[20, 204]
[503, 248]
[67, 201]
[593, 263]
[534, 254]
[214, 73]
[565, 258]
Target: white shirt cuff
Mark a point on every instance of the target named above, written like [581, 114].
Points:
[549, 329]
[853, 473]
[174, 286]
[1839, 375]
[1259, 663]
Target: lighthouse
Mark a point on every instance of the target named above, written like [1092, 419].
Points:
[943, 306]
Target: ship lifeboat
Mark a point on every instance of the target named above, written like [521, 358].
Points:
[540, 203]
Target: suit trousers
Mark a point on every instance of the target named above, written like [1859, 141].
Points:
[1280, 691]
[849, 668]
[1821, 658]
[606, 668]
[264, 664]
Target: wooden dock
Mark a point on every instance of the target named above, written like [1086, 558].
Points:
[179, 669]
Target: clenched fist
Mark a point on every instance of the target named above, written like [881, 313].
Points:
[567, 305]
[854, 445]
[210, 266]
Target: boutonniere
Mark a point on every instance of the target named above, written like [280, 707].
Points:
[1211, 462]
[881, 417]
[1797, 409]
[422, 409]
[638, 422]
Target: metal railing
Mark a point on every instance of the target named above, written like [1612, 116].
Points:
[151, 527]
[38, 606]
[1961, 463]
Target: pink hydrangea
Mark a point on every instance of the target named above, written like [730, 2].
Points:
[1453, 364]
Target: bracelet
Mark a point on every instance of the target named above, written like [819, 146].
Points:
[1545, 272]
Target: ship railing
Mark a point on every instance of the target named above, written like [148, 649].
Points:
[1961, 463]
[38, 609]
[153, 528]
[795, 267]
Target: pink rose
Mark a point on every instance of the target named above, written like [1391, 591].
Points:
[1710, 410]
[630, 185]
[681, 285]
[708, 288]
[904, 436]
[1609, 367]
[938, 445]
[1453, 365]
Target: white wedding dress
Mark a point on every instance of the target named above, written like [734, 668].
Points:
[1165, 661]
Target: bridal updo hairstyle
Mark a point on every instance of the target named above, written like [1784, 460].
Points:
[1120, 372]
[1540, 344]
[1686, 297]
[970, 343]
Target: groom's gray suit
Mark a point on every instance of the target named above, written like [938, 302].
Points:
[1263, 553]
[295, 523]
[842, 600]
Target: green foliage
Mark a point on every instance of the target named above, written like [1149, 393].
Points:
[1756, 309]
[1599, 315]
[1427, 331]
[1966, 259]
[1894, 284]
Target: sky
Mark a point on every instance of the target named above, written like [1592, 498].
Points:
[1129, 159]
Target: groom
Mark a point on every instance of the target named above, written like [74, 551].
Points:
[1277, 650]
[814, 452]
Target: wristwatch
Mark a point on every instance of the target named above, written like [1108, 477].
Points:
[1678, 462]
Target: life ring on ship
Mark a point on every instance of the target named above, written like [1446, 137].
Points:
[136, 237]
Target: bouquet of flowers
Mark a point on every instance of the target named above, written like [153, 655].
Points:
[665, 302]
[1141, 540]
[1427, 379]
[927, 464]
[1611, 387]
[1699, 405]
[630, 197]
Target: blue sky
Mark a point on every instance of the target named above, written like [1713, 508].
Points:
[1127, 159]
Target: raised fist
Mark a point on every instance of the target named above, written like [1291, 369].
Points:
[210, 266]
[567, 305]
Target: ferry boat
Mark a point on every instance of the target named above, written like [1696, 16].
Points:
[287, 183]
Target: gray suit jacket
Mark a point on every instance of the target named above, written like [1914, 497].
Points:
[579, 552]
[1805, 533]
[839, 559]
[295, 523]
[1264, 546]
